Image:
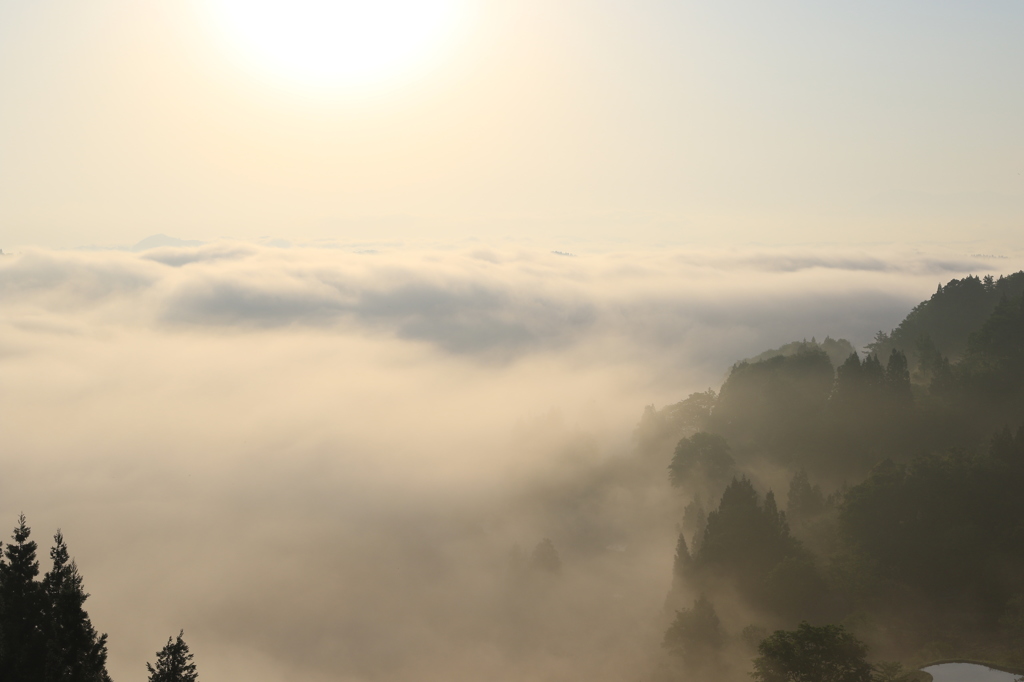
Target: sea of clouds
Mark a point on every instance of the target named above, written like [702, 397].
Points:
[315, 460]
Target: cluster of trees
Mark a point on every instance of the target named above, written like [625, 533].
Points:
[922, 556]
[944, 323]
[942, 379]
[45, 632]
[825, 653]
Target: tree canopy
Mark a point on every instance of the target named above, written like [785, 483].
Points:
[826, 653]
[173, 662]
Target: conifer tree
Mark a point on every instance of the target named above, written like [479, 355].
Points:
[173, 663]
[75, 652]
[805, 501]
[872, 375]
[22, 647]
[897, 376]
[848, 380]
[696, 635]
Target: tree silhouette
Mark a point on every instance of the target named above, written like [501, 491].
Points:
[704, 457]
[696, 634]
[897, 376]
[75, 652]
[812, 654]
[22, 644]
[173, 663]
[805, 501]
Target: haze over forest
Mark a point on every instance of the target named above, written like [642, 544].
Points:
[446, 360]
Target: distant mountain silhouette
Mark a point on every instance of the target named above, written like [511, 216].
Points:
[158, 240]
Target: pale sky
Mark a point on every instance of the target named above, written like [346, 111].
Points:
[639, 122]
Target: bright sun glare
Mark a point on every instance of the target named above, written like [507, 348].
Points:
[337, 43]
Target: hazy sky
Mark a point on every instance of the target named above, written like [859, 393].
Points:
[600, 120]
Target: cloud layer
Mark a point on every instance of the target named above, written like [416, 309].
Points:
[318, 462]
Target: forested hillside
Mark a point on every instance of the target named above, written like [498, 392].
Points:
[881, 495]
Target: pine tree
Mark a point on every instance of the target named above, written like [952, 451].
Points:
[805, 501]
[872, 375]
[22, 645]
[897, 376]
[74, 650]
[849, 381]
[173, 663]
[696, 635]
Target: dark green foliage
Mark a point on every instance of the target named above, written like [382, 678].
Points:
[990, 377]
[22, 601]
[812, 654]
[662, 428]
[798, 412]
[949, 316]
[848, 386]
[837, 350]
[1002, 335]
[804, 502]
[946, 529]
[864, 387]
[45, 634]
[75, 652]
[173, 662]
[701, 461]
[744, 537]
[748, 542]
[924, 555]
[772, 402]
[696, 635]
[897, 377]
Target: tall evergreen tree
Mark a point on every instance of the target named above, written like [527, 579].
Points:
[897, 376]
[696, 635]
[872, 375]
[173, 663]
[21, 599]
[805, 501]
[74, 650]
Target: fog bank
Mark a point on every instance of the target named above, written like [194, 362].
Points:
[320, 463]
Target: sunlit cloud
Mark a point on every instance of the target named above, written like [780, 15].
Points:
[386, 426]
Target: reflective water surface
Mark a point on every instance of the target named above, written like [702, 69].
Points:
[967, 672]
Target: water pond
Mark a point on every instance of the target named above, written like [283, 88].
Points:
[967, 672]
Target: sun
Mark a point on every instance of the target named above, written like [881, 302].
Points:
[336, 44]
